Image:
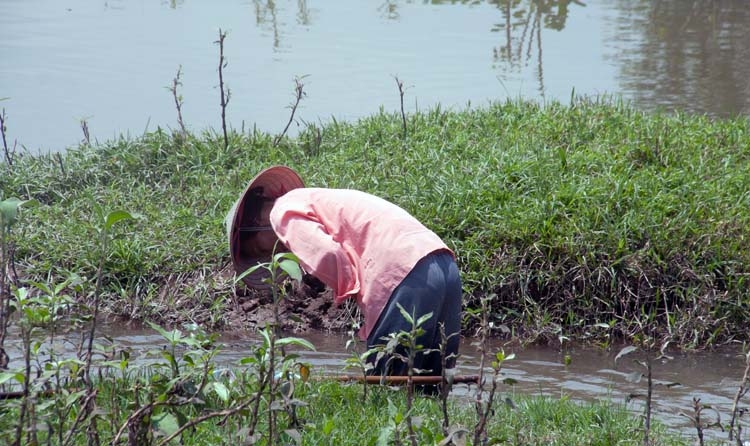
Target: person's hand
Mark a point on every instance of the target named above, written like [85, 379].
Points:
[316, 286]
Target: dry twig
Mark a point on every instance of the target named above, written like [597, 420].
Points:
[8, 153]
[299, 94]
[401, 95]
[741, 391]
[225, 93]
[177, 82]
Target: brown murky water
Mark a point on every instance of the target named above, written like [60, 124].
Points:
[108, 62]
[591, 374]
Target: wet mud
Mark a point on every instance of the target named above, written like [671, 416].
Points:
[304, 307]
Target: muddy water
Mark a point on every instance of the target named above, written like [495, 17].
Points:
[108, 61]
[590, 375]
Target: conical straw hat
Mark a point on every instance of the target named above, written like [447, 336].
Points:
[243, 219]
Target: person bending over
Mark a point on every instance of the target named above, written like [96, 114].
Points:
[371, 250]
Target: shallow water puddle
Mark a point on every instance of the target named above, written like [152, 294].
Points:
[591, 374]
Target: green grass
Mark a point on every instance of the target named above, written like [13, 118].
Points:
[534, 420]
[332, 413]
[574, 217]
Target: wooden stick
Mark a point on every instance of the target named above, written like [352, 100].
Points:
[18, 394]
[370, 379]
[393, 380]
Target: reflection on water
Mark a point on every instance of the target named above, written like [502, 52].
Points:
[687, 55]
[108, 62]
[591, 374]
[522, 28]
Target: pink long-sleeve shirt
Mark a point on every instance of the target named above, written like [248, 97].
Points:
[360, 245]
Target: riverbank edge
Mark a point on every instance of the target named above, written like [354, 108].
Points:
[589, 221]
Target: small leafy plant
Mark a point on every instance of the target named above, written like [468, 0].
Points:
[404, 346]
[274, 365]
[637, 376]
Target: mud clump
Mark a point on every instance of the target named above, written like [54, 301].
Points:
[306, 306]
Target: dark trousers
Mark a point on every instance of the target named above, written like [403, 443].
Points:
[433, 286]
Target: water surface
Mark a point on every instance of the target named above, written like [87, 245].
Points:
[110, 62]
[591, 375]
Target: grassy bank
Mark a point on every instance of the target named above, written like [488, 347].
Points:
[588, 220]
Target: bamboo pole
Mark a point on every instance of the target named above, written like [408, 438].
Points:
[18, 394]
[369, 379]
[401, 380]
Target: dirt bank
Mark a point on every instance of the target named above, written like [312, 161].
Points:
[303, 308]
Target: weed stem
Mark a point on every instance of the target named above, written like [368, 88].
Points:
[741, 391]
[6, 151]
[400, 85]
[298, 95]
[177, 82]
[225, 93]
